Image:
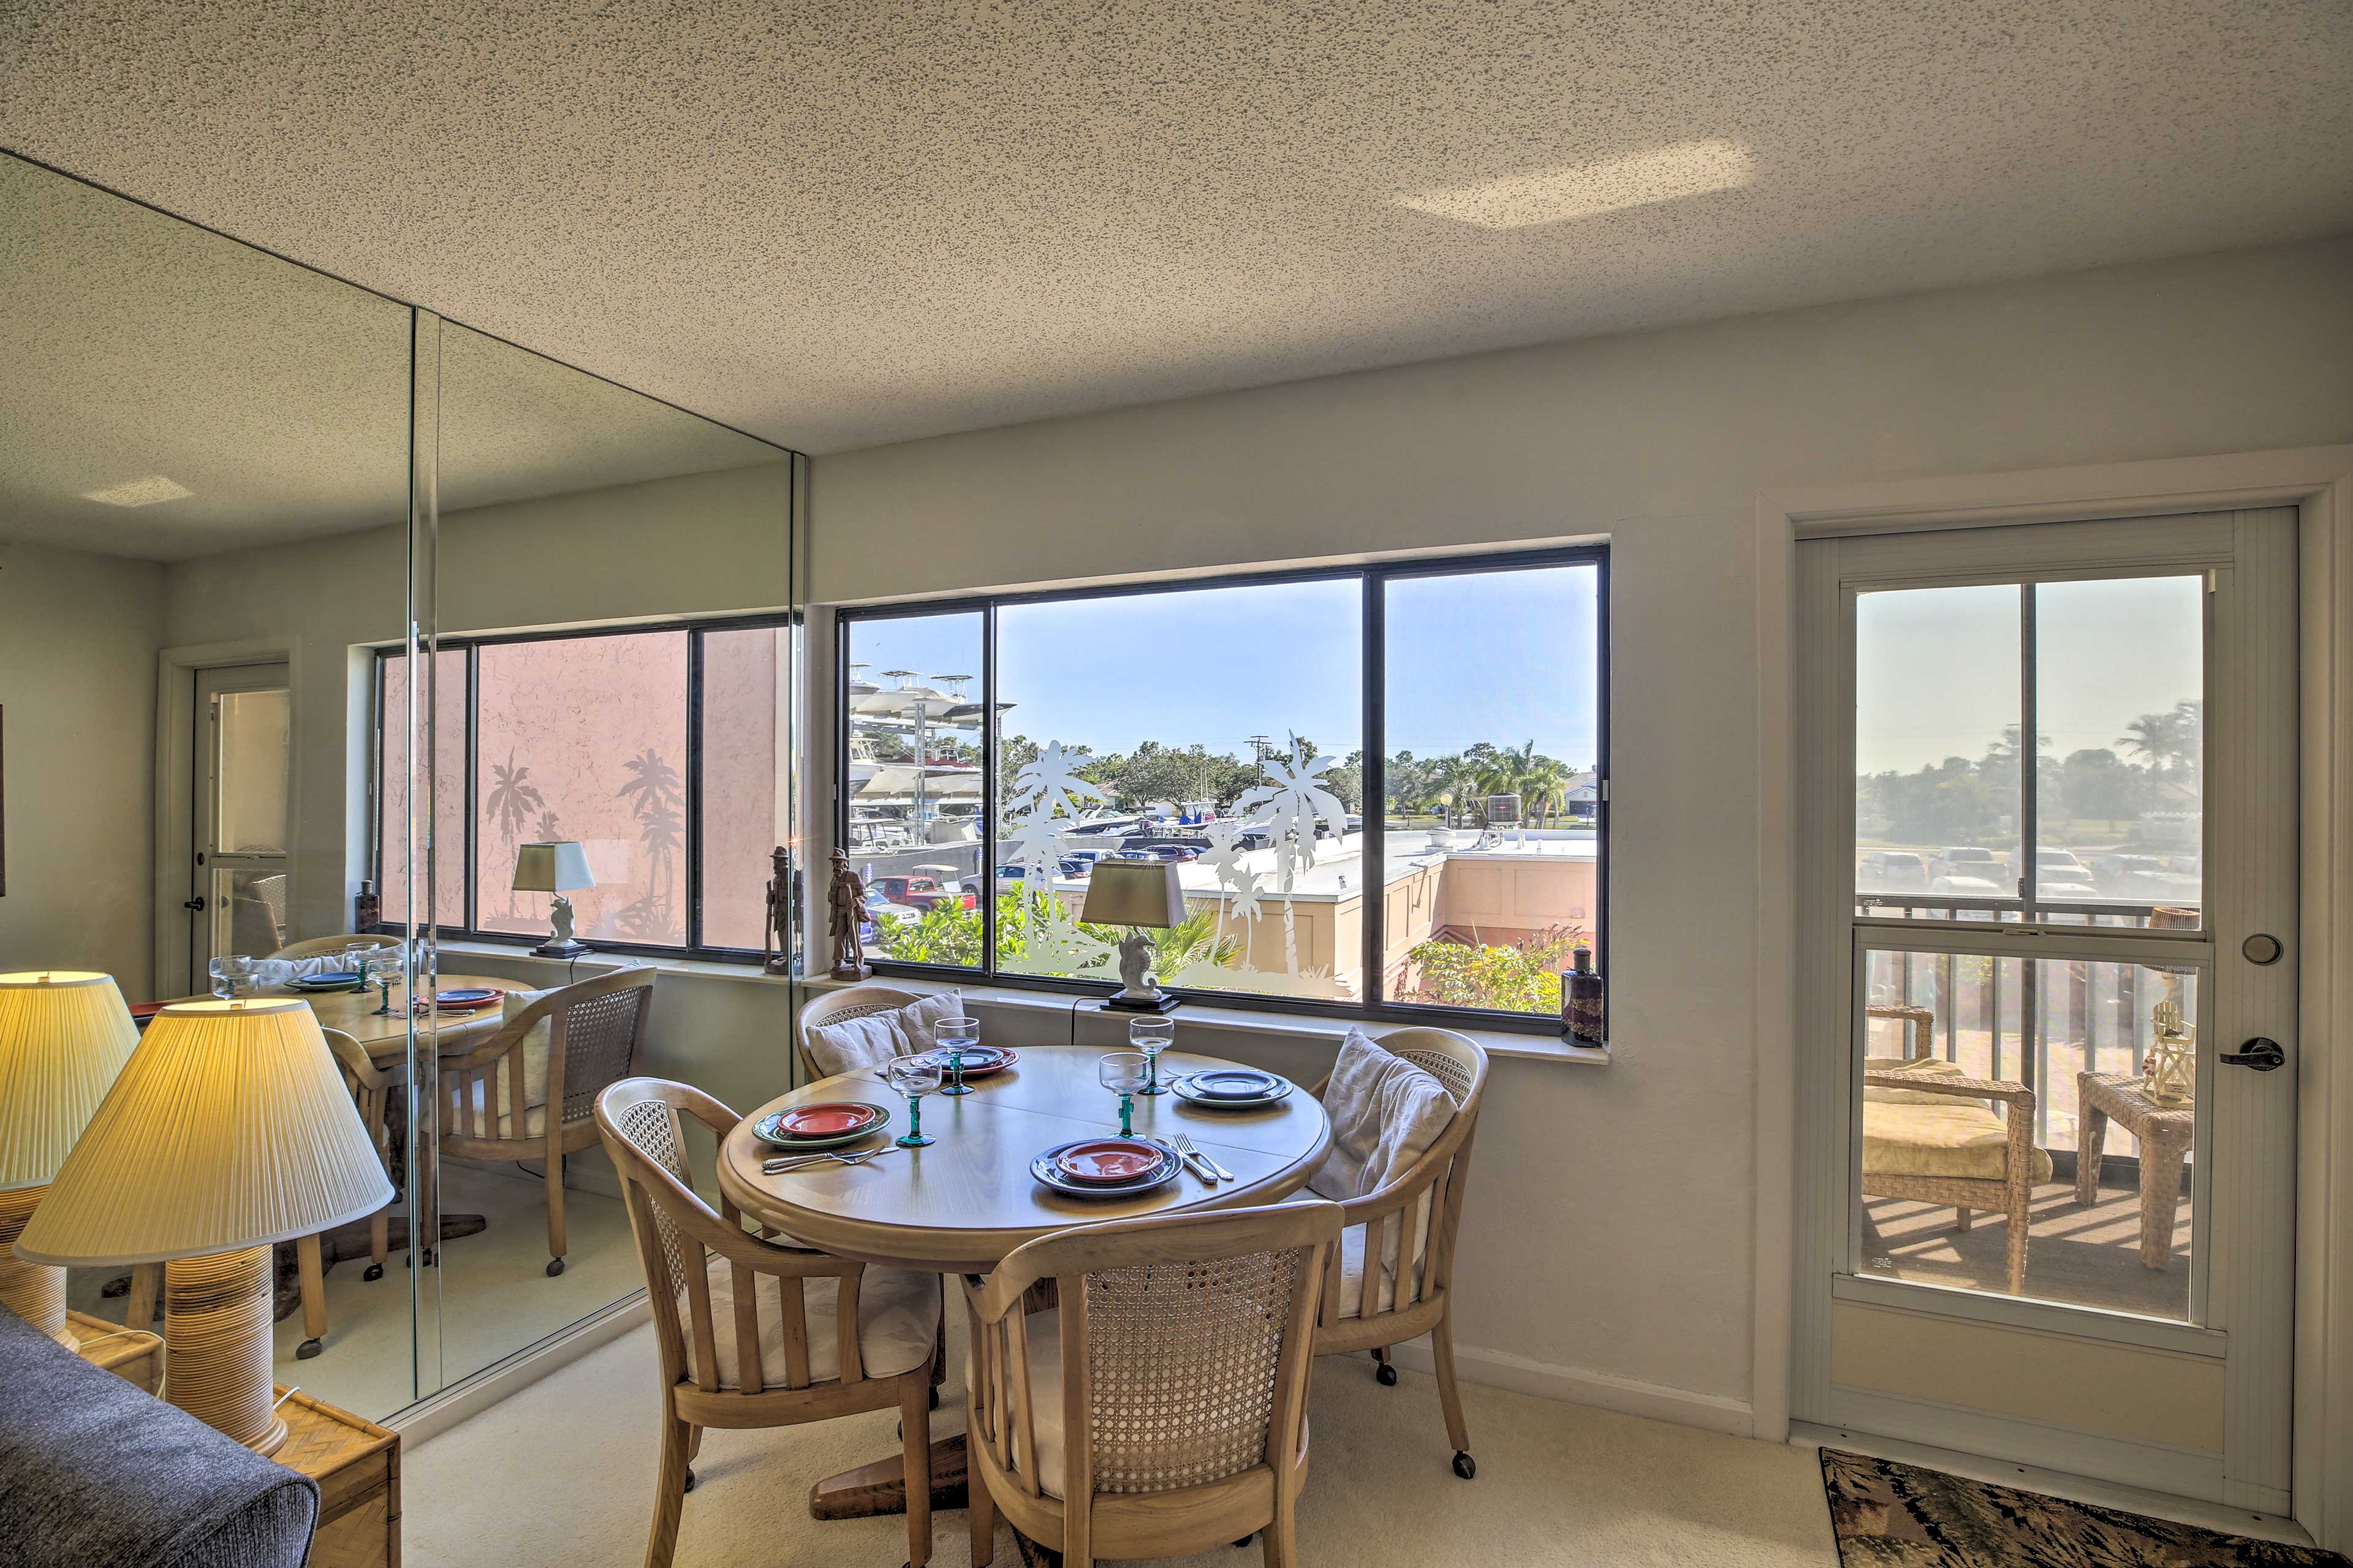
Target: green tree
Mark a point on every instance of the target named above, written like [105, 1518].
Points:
[1518, 977]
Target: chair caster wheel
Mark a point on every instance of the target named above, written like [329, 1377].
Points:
[936, 1398]
[374, 1271]
[426, 1257]
[554, 1267]
[689, 1481]
[1386, 1376]
[1245, 1540]
[1464, 1465]
[308, 1349]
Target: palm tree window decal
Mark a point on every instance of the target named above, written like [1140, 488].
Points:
[512, 800]
[658, 802]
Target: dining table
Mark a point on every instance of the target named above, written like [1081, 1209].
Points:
[962, 1204]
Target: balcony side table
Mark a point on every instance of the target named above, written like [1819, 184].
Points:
[2164, 1132]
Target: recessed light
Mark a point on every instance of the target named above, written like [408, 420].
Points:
[1553, 196]
[140, 492]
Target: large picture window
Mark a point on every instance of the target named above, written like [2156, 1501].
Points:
[663, 751]
[993, 752]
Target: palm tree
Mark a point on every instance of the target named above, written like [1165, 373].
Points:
[1544, 785]
[514, 797]
[1295, 801]
[655, 797]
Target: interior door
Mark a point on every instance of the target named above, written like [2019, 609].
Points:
[239, 872]
[2048, 905]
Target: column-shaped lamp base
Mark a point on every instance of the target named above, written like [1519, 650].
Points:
[34, 1291]
[216, 1324]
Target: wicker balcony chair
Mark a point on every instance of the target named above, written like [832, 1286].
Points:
[1161, 1407]
[748, 1334]
[317, 946]
[1419, 1215]
[371, 1088]
[1931, 1136]
[837, 1006]
[596, 1030]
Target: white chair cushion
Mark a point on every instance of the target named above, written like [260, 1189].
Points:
[534, 1119]
[1386, 1114]
[1352, 1267]
[1045, 1345]
[534, 1050]
[898, 1321]
[855, 1045]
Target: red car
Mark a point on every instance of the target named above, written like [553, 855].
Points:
[921, 891]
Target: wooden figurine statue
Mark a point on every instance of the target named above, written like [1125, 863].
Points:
[849, 913]
[775, 941]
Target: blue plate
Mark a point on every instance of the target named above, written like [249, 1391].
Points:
[344, 978]
[1234, 1083]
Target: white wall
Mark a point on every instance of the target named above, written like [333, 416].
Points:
[1608, 1249]
[77, 641]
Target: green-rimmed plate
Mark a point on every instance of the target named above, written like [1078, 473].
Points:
[765, 1129]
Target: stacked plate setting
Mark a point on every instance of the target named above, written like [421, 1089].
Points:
[1231, 1089]
[1105, 1167]
[805, 1128]
[979, 1062]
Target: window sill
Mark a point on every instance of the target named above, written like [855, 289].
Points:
[1305, 1028]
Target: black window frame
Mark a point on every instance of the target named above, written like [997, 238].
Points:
[695, 628]
[1373, 578]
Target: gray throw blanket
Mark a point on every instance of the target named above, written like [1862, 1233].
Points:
[97, 1474]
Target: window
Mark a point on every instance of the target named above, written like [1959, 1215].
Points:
[664, 751]
[996, 751]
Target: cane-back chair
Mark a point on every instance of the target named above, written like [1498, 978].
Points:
[1160, 1406]
[595, 1031]
[753, 1332]
[372, 1087]
[1371, 1303]
[318, 946]
[841, 1007]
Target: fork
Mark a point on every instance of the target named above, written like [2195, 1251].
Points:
[1185, 1146]
[778, 1167]
[1190, 1162]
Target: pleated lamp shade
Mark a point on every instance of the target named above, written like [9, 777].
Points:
[228, 1128]
[64, 1036]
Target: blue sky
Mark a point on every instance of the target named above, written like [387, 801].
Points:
[1504, 657]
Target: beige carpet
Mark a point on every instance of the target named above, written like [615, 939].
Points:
[562, 1473]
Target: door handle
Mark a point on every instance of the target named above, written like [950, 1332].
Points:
[2262, 1054]
[196, 904]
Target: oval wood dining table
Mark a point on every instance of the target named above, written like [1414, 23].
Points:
[960, 1204]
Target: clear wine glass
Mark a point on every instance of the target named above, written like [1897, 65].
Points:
[232, 977]
[1123, 1073]
[356, 959]
[1151, 1036]
[382, 966]
[956, 1036]
[913, 1076]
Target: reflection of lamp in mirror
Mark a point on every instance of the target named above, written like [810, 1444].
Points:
[63, 1036]
[1145, 894]
[559, 868]
[228, 1129]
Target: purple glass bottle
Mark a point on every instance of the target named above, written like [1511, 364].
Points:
[1584, 1017]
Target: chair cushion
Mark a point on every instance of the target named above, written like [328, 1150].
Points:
[1386, 1113]
[1045, 1346]
[534, 1118]
[855, 1045]
[1352, 1266]
[535, 1049]
[898, 1319]
[1938, 1135]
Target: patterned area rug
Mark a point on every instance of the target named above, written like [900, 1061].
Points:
[1885, 1513]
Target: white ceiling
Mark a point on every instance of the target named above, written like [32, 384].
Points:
[844, 223]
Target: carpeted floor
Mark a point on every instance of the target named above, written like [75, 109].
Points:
[562, 1473]
[1903, 1516]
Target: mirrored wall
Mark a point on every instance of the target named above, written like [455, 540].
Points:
[328, 626]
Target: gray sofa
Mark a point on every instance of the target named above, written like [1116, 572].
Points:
[95, 1473]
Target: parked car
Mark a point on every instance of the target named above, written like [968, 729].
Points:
[2059, 875]
[1013, 873]
[879, 906]
[1966, 860]
[1892, 871]
[2128, 876]
[922, 890]
[1177, 852]
[1080, 863]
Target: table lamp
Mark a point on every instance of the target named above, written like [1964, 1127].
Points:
[1142, 893]
[64, 1035]
[559, 867]
[228, 1129]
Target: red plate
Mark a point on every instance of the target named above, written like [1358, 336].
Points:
[825, 1120]
[978, 1061]
[1107, 1160]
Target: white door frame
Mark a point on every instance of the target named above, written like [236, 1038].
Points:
[175, 760]
[2318, 482]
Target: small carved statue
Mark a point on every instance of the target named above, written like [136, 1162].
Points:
[775, 940]
[849, 901]
[560, 917]
[1135, 965]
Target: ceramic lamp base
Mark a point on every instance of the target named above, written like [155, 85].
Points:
[34, 1291]
[217, 1320]
[1158, 1002]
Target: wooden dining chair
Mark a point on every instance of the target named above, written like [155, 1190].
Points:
[840, 1006]
[1418, 1217]
[595, 1031]
[1160, 1407]
[318, 946]
[752, 1333]
[372, 1087]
